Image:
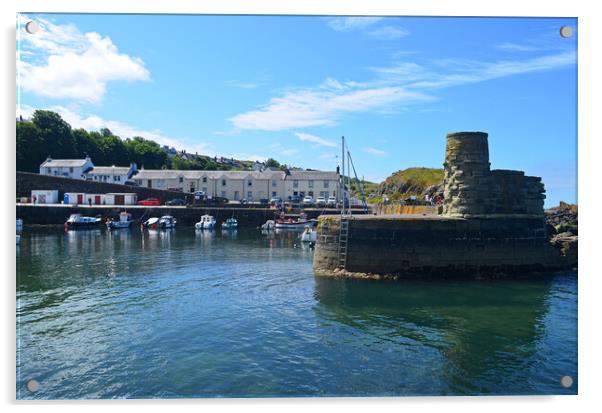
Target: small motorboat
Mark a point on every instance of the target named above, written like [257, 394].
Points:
[124, 222]
[309, 234]
[230, 223]
[269, 225]
[167, 221]
[206, 222]
[291, 221]
[78, 221]
[151, 223]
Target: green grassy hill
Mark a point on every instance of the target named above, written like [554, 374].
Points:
[410, 181]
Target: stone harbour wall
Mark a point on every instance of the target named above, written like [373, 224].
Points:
[419, 247]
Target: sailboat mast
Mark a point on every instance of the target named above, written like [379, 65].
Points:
[342, 192]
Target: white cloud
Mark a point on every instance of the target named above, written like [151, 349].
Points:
[515, 47]
[59, 61]
[321, 106]
[314, 139]
[92, 122]
[480, 72]
[374, 151]
[388, 33]
[395, 88]
[346, 24]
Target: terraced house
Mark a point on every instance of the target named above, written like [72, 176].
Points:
[237, 185]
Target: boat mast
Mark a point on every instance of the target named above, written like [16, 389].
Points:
[342, 190]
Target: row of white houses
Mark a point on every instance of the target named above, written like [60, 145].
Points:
[249, 185]
[233, 185]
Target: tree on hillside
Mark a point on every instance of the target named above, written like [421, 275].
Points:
[30, 148]
[146, 153]
[272, 163]
[55, 134]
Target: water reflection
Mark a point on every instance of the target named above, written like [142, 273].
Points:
[484, 330]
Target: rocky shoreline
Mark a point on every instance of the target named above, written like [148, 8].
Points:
[563, 228]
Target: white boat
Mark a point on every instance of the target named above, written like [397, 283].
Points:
[206, 222]
[19, 225]
[151, 223]
[309, 235]
[125, 220]
[77, 221]
[269, 225]
[167, 221]
[230, 223]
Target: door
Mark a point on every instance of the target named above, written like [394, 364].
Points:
[80, 199]
[119, 199]
[96, 199]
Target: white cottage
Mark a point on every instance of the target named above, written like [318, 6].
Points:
[68, 168]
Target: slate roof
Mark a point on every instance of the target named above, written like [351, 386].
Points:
[63, 163]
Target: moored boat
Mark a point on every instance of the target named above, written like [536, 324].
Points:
[151, 223]
[291, 221]
[309, 234]
[167, 221]
[78, 221]
[125, 221]
[206, 222]
[230, 223]
[269, 225]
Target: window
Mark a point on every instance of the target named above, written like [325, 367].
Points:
[204, 179]
[71, 169]
[311, 193]
[295, 183]
[249, 183]
[326, 184]
[250, 195]
[181, 179]
[223, 194]
[274, 194]
[274, 183]
[223, 182]
[311, 183]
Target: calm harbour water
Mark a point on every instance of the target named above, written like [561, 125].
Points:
[189, 314]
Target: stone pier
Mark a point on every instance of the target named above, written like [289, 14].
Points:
[492, 224]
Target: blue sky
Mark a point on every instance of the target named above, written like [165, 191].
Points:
[288, 87]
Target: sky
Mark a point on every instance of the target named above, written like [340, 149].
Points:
[288, 87]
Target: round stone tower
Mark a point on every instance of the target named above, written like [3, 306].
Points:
[466, 174]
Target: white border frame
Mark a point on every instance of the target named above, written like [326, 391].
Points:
[589, 70]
